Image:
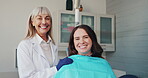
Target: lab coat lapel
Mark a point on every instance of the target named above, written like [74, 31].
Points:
[37, 48]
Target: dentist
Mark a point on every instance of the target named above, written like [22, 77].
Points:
[37, 54]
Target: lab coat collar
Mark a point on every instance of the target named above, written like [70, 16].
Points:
[39, 39]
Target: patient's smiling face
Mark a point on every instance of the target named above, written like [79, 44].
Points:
[82, 42]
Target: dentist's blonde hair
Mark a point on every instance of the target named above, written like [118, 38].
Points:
[31, 31]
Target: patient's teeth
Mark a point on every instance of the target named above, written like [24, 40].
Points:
[82, 46]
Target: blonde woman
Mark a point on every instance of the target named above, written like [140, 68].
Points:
[37, 54]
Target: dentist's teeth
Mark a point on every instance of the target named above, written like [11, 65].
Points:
[43, 27]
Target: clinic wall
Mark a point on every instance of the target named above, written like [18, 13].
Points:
[131, 36]
[13, 20]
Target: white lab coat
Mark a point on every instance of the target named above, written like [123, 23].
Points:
[32, 62]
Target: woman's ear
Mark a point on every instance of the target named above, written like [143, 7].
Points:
[32, 23]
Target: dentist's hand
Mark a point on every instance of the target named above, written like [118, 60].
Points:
[63, 62]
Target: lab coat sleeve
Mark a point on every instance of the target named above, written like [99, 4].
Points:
[26, 66]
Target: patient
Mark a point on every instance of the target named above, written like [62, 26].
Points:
[86, 54]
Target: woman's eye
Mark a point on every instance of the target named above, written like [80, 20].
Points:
[47, 18]
[76, 38]
[39, 18]
[86, 37]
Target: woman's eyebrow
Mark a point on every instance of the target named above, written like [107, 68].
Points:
[86, 35]
[48, 16]
[76, 37]
[38, 16]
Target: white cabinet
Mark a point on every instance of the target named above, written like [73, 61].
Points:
[102, 25]
[106, 32]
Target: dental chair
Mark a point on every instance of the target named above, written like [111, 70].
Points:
[128, 76]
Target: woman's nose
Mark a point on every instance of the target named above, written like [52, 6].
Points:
[43, 21]
[81, 41]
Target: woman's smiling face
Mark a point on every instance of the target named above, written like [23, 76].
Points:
[42, 23]
[82, 42]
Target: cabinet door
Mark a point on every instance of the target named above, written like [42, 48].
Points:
[88, 20]
[67, 24]
[106, 32]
